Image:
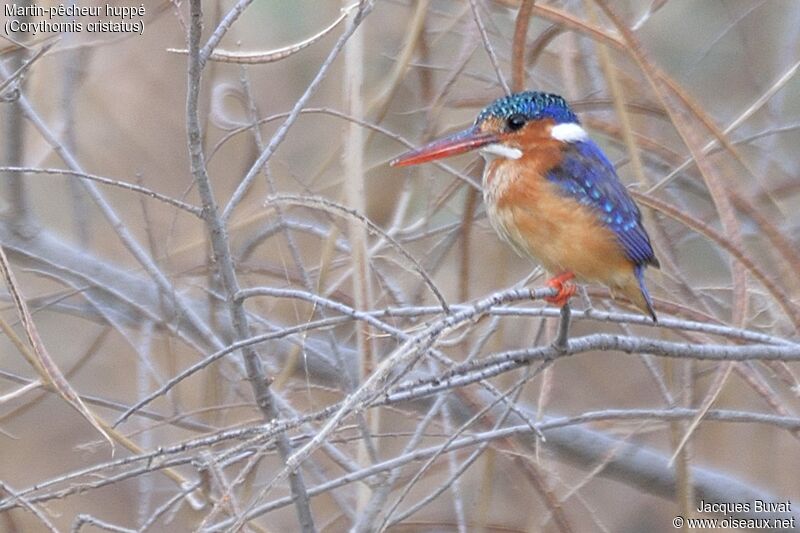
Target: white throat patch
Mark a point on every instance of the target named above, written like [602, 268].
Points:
[492, 151]
[568, 133]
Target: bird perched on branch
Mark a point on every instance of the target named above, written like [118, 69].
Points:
[552, 194]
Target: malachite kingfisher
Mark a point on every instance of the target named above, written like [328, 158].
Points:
[552, 194]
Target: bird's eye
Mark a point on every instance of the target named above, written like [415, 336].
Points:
[515, 121]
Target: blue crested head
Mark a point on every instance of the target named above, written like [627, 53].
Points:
[507, 128]
[527, 106]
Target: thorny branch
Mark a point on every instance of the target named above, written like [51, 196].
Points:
[256, 374]
[450, 374]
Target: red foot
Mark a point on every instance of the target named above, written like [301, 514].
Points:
[565, 290]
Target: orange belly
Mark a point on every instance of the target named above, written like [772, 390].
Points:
[531, 214]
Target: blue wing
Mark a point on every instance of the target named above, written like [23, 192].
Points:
[586, 175]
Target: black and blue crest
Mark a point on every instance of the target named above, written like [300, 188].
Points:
[532, 105]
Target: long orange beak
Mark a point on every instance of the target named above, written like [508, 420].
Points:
[454, 144]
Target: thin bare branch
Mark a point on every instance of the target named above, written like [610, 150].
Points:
[270, 56]
[194, 210]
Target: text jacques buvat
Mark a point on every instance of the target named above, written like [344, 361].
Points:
[37, 19]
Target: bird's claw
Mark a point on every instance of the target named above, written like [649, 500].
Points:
[565, 289]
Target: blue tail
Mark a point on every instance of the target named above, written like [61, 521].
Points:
[639, 271]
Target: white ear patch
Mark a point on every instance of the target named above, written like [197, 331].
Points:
[568, 133]
[490, 151]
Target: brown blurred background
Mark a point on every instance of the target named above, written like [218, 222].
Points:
[117, 104]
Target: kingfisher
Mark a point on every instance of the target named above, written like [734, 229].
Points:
[552, 194]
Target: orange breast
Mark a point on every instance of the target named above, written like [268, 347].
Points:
[532, 215]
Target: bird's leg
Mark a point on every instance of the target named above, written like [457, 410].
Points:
[565, 289]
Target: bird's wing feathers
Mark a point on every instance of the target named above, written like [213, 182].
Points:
[586, 175]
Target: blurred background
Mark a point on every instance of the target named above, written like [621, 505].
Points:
[696, 103]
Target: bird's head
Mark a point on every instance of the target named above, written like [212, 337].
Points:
[506, 128]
